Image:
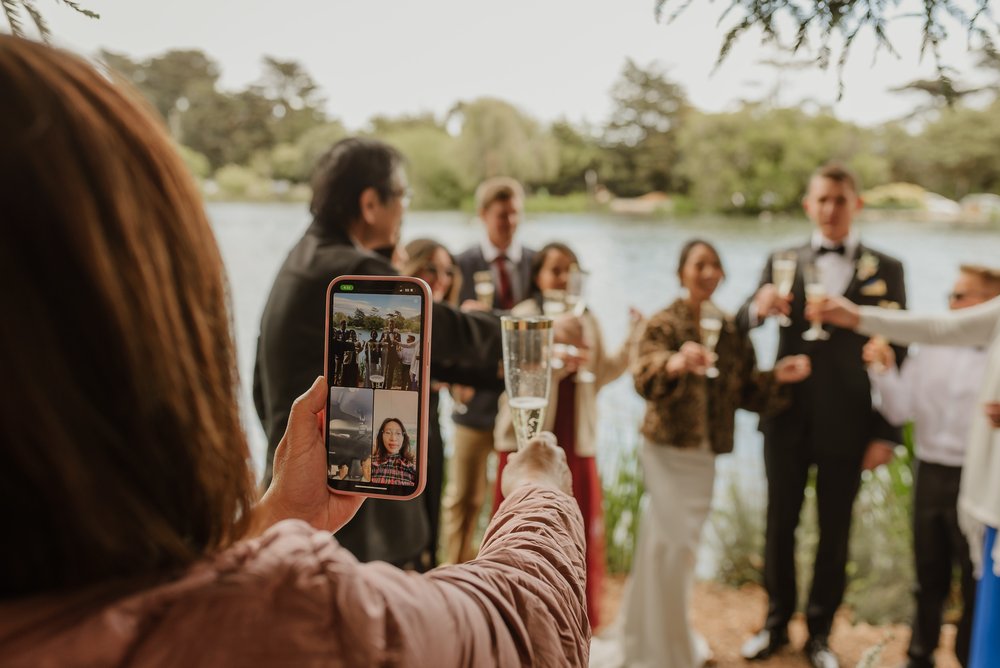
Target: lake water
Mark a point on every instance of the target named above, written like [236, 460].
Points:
[631, 261]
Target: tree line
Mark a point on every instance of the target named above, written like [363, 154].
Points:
[263, 140]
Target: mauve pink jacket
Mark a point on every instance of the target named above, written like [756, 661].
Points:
[294, 597]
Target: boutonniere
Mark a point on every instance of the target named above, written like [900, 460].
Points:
[867, 266]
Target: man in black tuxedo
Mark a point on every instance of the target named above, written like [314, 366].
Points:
[831, 424]
[359, 198]
[499, 202]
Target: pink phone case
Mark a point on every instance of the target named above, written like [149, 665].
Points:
[424, 383]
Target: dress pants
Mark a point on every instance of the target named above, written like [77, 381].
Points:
[837, 482]
[656, 628]
[938, 545]
[466, 492]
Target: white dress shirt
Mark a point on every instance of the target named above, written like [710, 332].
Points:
[513, 255]
[937, 388]
[835, 269]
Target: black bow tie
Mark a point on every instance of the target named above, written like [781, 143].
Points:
[839, 250]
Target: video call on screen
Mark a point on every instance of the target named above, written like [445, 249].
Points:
[373, 369]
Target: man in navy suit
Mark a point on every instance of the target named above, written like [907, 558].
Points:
[499, 202]
[830, 423]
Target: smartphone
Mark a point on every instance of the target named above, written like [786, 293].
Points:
[377, 367]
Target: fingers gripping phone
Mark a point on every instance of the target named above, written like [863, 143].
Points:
[377, 368]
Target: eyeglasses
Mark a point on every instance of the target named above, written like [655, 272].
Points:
[393, 432]
[959, 296]
[435, 271]
[405, 195]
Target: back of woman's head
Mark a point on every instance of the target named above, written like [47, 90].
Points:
[121, 451]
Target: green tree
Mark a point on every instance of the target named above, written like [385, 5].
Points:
[641, 134]
[434, 168]
[297, 101]
[579, 152]
[825, 26]
[314, 143]
[496, 138]
[760, 158]
[17, 10]
[957, 153]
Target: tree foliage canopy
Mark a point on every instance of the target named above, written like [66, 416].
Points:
[824, 27]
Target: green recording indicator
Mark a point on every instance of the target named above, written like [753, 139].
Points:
[347, 287]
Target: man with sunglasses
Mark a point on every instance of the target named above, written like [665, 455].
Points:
[937, 387]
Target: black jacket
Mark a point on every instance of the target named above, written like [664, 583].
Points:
[481, 410]
[465, 347]
[832, 409]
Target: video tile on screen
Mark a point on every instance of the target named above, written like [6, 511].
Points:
[375, 341]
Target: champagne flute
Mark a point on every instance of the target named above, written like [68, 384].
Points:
[554, 304]
[710, 328]
[527, 355]
[485, 290]
[576, 284]
[783, 276]
[815, 292]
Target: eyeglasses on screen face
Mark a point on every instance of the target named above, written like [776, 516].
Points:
[392, 432]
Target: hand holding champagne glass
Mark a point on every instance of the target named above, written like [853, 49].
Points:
[783, 276]
[815, 293]
[527, 354]
[484, 287]
[710, 326]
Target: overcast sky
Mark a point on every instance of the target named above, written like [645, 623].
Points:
[553, 58]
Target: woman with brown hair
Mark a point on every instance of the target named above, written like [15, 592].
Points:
[131, 524]
[572, 410]
[690, 419]
[394, 462]
[429, 260]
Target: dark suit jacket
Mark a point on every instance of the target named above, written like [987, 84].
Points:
[464, 347]
[481, 410]
[831, 411]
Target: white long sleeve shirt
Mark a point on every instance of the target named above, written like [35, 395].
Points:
[979, 498]
[937, 388]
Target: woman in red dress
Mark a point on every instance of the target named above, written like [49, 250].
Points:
[572, 410]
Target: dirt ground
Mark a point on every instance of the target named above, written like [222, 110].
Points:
[726, 616]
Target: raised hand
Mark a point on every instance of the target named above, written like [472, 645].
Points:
[792, 369]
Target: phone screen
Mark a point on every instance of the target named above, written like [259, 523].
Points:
[375, 369]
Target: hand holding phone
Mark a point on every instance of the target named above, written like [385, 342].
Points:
[378, 380]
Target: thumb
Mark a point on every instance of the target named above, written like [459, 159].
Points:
[309, 404]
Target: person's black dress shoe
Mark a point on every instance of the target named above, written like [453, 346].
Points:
[763, 644]
[820, 655]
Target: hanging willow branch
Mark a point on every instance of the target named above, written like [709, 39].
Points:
[15, 10]
[820, 26]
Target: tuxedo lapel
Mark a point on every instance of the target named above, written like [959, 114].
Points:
[855, 284]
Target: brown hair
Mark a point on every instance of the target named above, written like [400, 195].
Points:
[421, 253]
[538, 260]
[497, 189]
[988, 275]
[836, 171]
[121, 452]
[689, 246]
